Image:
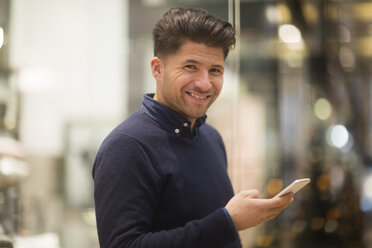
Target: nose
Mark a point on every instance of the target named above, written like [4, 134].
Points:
[203, 82]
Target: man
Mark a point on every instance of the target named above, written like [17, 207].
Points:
[160, 177]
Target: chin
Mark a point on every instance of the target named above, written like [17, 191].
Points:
[194, 113]
[197, 115]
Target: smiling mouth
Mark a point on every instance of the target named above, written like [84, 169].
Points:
[199, 97]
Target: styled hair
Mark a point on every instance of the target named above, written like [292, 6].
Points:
[197, 25]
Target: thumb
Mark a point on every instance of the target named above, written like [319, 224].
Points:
[252, 193]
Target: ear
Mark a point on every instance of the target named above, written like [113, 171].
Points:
[157, 68]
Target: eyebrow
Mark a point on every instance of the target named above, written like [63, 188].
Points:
[196, 62]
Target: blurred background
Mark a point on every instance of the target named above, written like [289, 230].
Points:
[297, 102]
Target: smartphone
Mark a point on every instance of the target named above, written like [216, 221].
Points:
[295, 186]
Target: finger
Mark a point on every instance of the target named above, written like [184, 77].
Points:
[275, 212]
[289, 194]
[273, 203]
[285, 200]
[285, 206]
[272, 216]
[269, 215]
[281, 207]
[253, 193]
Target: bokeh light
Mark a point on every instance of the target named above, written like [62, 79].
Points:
[290, 34]
[322, 109]
[337, 136]
[366, 200]
[1, 37]
[274, 186]
[346, 57]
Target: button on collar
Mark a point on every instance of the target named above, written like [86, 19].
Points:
[177, 130]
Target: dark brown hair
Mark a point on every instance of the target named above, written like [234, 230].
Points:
[197, 25]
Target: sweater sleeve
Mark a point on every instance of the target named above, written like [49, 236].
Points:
[127, 190]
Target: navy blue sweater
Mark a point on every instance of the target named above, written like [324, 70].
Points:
[158, 185]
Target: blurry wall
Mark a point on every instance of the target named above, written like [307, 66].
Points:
[70, 62]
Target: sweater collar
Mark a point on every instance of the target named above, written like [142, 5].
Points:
[168, 118]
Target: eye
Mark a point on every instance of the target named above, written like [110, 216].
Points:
[192, 67]
[216, 71]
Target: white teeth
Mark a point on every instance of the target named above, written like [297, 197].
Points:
[199, 97]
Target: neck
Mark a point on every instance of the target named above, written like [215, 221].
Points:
[192, 125]
[192, 120]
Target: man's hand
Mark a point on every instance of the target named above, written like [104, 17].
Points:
[246, 210]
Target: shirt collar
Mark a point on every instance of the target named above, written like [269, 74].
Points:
[168, 118]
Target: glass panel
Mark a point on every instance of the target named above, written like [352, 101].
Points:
[305, 64]
[9, 109]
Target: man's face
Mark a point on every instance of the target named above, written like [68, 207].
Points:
[190, 80]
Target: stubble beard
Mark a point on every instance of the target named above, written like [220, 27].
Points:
[181, 106]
